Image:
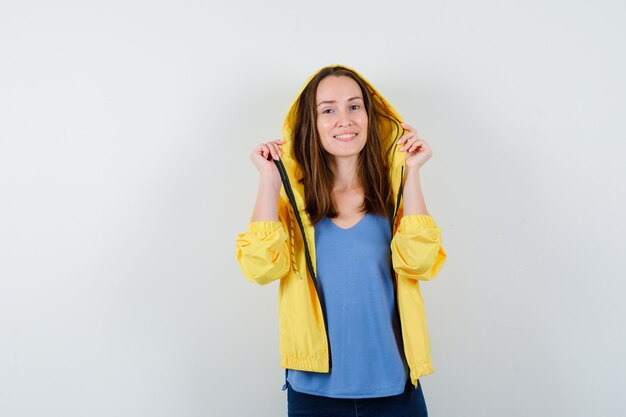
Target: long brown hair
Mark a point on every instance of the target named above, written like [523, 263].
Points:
[373, 161]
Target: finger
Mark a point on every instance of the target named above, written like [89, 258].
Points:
[409, 142]
[423, 147]
[404, 137]
[270, 151]
[410, 135]
[265, 151]
[273, 149]
[417, 142]
[422, 143]
[414, 147]
[260, 152]
[277, 143]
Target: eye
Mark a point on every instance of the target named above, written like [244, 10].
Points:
[355, 107]
[326, 111]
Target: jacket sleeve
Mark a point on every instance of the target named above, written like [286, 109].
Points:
[416, 249]
[262, 252]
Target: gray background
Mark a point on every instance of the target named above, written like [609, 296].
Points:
[126, 129]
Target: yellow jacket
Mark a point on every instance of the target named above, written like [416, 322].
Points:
[285, 250]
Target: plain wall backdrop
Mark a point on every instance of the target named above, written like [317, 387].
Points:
[125, 134]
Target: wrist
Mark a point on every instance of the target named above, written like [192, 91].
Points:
[412, 170]
[272, 181]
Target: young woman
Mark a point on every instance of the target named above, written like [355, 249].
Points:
[340, 220]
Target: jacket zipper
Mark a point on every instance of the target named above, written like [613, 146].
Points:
[309, 262]
[392, 216]
[392, 220]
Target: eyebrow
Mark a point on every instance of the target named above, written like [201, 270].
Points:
[334, 101]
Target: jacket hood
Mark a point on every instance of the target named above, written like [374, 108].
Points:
[389, 132]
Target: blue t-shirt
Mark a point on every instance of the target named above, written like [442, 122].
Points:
[354, 273]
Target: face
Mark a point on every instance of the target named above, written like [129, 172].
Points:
[341, 116]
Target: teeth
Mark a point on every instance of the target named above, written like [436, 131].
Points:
[345, 136]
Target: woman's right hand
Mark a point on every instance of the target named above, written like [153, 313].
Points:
[266, 207]
[263, 155]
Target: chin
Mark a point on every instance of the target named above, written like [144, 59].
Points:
[345, 153]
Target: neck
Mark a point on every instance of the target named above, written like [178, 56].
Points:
[345, 170]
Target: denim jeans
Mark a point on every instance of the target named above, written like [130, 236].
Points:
[408, 404]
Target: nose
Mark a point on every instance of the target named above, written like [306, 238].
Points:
[343, 119]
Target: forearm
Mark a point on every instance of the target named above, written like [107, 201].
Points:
[266, 206]
[412, 194]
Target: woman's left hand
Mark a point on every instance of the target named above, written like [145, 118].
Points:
[418, 151]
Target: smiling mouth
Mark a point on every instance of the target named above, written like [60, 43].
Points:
[345, 138]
